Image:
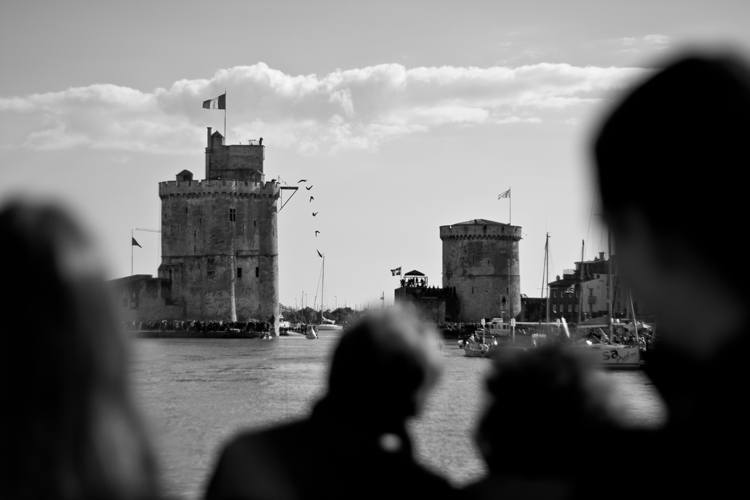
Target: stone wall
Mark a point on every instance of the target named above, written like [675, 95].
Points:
[243, 162]
[436, 304]
[144, 298]
[210, 230]
[481, 261]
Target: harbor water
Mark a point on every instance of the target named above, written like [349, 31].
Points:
[196, 393]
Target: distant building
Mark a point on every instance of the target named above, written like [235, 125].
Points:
[533, 308]
[589, 290]
[219, 243]
[437, 304]
[481, 263]
[145, 298]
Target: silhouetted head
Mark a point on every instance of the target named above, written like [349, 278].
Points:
[671, 162]
[382, 369]
[74, 432]
[545, 405]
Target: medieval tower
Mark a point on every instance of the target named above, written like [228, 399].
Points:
[480, 260]
[219, 236]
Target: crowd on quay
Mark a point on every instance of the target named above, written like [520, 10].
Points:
[197, 326]
[74, 431]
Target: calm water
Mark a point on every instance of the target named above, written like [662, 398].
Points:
[196, 393]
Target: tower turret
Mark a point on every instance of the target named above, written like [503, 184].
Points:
[219, 236]
[481, 261]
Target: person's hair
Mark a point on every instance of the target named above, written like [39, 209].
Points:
[380, 365]
[74, 432]
[543, 403]
[674, 151]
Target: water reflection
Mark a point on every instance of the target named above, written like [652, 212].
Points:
[198, 392]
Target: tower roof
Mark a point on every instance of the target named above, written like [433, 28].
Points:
[480, 222]
[414, 273]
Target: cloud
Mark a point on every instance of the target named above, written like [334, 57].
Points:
[352, 108]
[647, 43]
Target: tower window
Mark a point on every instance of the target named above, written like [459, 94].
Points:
[232, 214]
[257, 272]
[239, 273]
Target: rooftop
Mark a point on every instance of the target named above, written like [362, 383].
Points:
[479, 222]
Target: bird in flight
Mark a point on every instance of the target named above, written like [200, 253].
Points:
[312, 198]
[317, 233]
[309, 187]
[315, 213]
[301, 181]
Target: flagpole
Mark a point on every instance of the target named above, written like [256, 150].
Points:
[225, 117]
[131, 252]
[510, 206]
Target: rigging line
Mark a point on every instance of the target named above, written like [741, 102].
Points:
[283, 203]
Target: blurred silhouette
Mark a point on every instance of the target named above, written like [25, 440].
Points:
[546, 405]
[72, 431]
[355, 443]
[670, 161]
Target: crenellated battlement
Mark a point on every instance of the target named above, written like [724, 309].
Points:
[208, 188]
[480, 260]
[219, 240]
[481, 229]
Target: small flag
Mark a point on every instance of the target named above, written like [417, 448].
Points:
[134, 243]
[504, 194]
[571, 289]
[319, 254]
[396, 272]
[219, 102]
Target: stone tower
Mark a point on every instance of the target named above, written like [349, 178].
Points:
[480, 260]
[219, 239]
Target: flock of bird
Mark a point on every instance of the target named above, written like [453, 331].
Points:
[308, 187]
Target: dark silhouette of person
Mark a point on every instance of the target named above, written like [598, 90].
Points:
[355, 443]
[670, 162]
[72, 431]
[546, 407]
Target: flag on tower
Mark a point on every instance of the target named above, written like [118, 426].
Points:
[504, 194]
[134, 243]
[396, 272]
[218, 102]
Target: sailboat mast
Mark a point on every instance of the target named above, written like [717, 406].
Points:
[610, 286]
[322, 287]
[546, 273]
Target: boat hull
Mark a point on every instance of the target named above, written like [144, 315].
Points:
[476, 350]
[615, 357]
[325, 327]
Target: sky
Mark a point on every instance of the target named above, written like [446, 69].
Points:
[403, 115]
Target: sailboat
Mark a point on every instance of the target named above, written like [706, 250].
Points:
[609, 354]
[474, 349]
[325, 323]
[310, 332]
